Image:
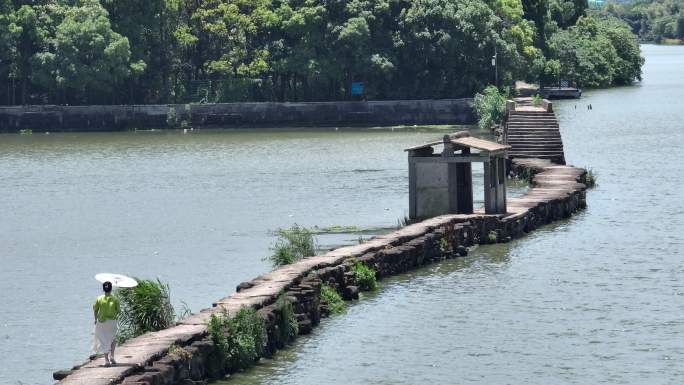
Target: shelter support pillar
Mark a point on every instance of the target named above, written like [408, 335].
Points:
[489, 197]
[464, 186]
[412, 186]
[452, 181]
[501, 187]
[495, 186]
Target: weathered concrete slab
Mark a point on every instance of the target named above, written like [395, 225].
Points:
[98, 375]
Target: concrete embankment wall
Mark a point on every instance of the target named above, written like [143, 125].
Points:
[235, 115]
[557, 192]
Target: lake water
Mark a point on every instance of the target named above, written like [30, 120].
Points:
[196, 210]
[597, 299]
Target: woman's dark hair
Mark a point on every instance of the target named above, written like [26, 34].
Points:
[107, 287]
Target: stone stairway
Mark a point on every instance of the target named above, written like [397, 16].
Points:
[532, 132]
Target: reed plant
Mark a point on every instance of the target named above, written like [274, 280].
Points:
[144, 308]
[536, 100]
[403, 222]
[292, 244]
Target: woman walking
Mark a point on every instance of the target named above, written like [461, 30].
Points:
[106, 310]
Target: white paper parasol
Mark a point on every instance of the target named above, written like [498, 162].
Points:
[117, 280]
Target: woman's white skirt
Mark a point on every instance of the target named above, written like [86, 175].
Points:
[104, 336]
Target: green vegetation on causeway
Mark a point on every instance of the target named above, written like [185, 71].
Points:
[292, 244]
[177, 51]
[332, 299]
[365, 277]
[338, 229]
[240, 339]
[591, 178]
[490, 107]
[144, 308]
[288, 327]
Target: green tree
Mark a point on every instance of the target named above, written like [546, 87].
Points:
[299, 53]
[628, 61]
[85, 51]
[652, 20]
[445, 47]
[35, 70]
[565, 13]
[597, 52]
[537, 11]
[71, 52]
[148, 26]
[9, 34]
[90, 59]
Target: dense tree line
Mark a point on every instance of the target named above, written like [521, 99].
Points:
[161, 51]
[598, 51]
[653, 20]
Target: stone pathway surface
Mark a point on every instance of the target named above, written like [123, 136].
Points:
[552, 182]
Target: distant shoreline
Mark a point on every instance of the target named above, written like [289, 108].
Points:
[234, 115]
[667, 42]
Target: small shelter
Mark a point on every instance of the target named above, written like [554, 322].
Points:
[443, 183]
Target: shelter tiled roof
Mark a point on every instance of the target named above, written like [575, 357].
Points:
[480, 144]
[463, 139]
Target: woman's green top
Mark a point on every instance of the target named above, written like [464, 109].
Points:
[106, 307]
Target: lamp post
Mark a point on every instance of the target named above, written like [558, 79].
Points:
[496, 70]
